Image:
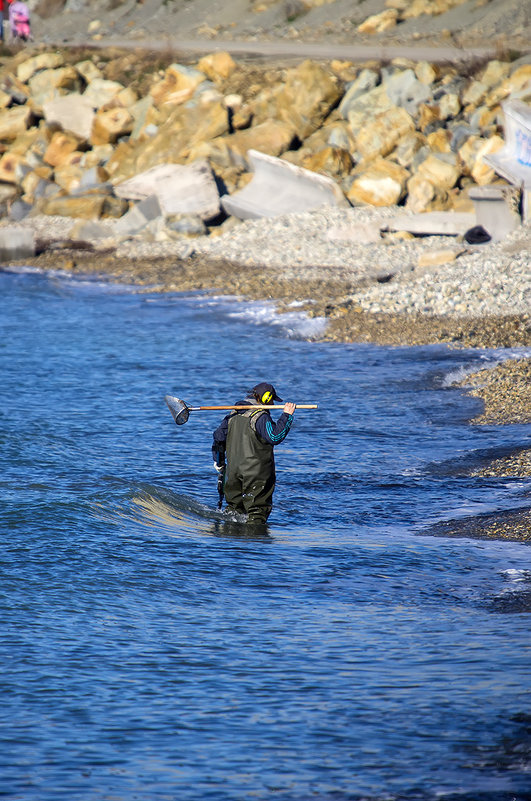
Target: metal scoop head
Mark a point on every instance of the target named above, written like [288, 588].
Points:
[178, 408]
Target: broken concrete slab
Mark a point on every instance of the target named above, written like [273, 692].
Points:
[139, 216]
[279, 187]
[496, 209]
[16, 243]
[179, 188]
[432, 223]
[513, 161]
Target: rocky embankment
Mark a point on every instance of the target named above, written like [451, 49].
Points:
[74, 125]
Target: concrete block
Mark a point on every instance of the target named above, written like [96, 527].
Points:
[16, 244]
[180, 189]
[278, 187]
[443, 223]
[513, 161]
[139, 216]
[497, 209]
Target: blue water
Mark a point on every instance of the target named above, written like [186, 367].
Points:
[151, 651]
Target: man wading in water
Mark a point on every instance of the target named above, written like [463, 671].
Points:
[248, 438]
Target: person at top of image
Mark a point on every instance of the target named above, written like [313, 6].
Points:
[246, 439]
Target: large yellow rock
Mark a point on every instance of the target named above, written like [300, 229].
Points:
[418, 8]
[99, 92]
[61, 146]
[5, 99]
[44, 61]
[471, 153]
[87, 207]
[43, 85]
[441, 169]
[304, 100]
[332, 161]
[108, 126]
[383, 183]
[175, 141]
[68, 177]
[272, 137]
[217, 66]
[381, 134]
[423, 195]
[177, 86]
[88, 70]
[13, 122]
[8, 167]
[378, 23]
[519, 79]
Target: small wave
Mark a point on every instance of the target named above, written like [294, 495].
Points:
[294, 324]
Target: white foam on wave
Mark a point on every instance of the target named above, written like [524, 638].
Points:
[483, 360]
[293, 324]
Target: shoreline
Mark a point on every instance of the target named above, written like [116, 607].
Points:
[505, 389]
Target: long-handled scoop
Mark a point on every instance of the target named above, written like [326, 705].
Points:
[180, 411]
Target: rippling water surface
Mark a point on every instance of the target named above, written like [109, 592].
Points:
[152, 651]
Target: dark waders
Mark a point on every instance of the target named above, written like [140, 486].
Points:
[250, 476]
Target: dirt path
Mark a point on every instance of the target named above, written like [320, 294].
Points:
[267, 50]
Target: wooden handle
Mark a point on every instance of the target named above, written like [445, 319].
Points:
[254, 406]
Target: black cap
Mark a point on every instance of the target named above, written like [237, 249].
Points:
[261, 389]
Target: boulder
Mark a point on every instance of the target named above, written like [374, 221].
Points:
[9, 163]
[43, 61]
[87, 207]
[272, 137]
[46, 85]
[14, 121]
[176, 141]
[471, 154]
[217, 66]
[60, 148]
[5, 99]
[108, 126]
[515, 82]
[68, 177]
[179, 189]
[139, 216]
[88, 71]
[381, 134]
[378, 23]
[15, 89]
[407, 148]
[426, 73]
[449, 106]
[99, 92]
[177, 86]
[366, 80]
[303, 101]
[73, 112]
[366, 106]
[332, 161]
[405, 90]
[383, 183]
[441, 169]
[422, 195]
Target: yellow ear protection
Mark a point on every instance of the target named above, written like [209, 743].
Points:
[267, 397]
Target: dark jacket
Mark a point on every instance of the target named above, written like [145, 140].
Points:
[267, 431]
